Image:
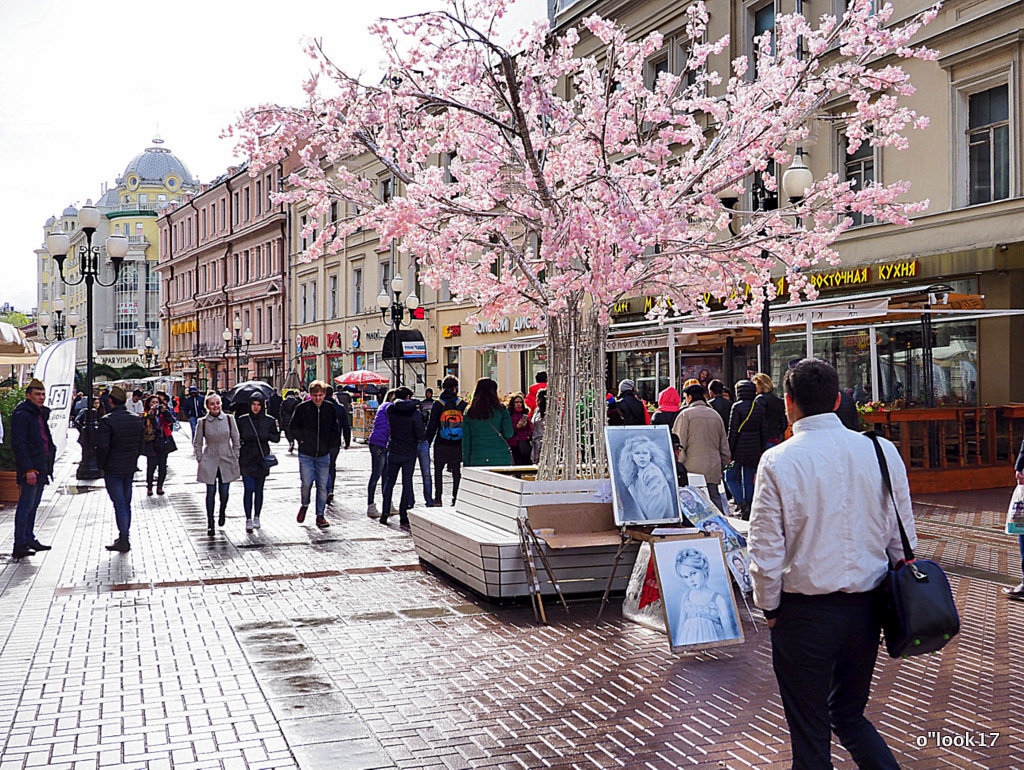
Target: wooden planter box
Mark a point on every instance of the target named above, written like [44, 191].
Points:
[477, 541]
[8, 487]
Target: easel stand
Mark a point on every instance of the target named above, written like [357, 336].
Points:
[627, 536]
[528, 540]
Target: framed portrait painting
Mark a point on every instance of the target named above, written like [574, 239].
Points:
[700, 608]
[643, 474]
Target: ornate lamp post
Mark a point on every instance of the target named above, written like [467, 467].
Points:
[235, 343]
[59, 321]
[147, 355]
[58, 245]
[398, 311]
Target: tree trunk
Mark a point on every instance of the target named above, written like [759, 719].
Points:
[573, 446]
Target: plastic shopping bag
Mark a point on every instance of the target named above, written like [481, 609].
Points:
[1015, 513]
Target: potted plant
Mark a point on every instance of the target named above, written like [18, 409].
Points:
[9, 399]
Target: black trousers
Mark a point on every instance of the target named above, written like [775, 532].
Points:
[450, 457]
[823, 653]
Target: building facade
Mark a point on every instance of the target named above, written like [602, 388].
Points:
[126, 314]
[969, 245]
[223, 266]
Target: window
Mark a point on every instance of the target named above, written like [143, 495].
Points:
[357, 290]
[302, 227]
[387, 189]
[269, 188]
[246, 197]
[988, 145]
[270, 325]
[859, 168]
[234, 208]
[259, 198]
[332, 297]
[655, 67]
[303, 292]
[312, 301]
[763, 21]
[223, 217]
[385, 276]
[334, 211]
[202, 224]
[238, 269]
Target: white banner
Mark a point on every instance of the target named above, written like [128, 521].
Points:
[56, 369]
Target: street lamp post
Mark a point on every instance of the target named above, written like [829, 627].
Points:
[392, 306]
[59, 320]
[236, 344]
[147, 355]
[58, 245]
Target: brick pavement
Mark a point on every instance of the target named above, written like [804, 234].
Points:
[295, 647]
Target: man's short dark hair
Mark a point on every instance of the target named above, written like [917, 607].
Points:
[542, 377]
[716, 387]
[450, 383]
[696, 392]
[403, 393]
[813, 385]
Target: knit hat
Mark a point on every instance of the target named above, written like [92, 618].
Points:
[625, 385]
[36, 385]
[117, 394]
[193, 389]
[689, 382]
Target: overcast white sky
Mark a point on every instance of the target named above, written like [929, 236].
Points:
[84, 87]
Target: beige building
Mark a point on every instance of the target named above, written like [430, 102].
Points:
[337, 325]
[969, 242]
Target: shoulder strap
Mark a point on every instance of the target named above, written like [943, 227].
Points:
[745, 418]
[908, 553]
[256, 432]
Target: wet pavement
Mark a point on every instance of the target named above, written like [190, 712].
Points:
[296, 647]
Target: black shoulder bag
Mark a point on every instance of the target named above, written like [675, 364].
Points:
[918, 611]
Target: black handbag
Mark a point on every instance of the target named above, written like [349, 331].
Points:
[918, 611]
[269, 459]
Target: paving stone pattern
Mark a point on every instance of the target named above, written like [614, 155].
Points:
[296, 647]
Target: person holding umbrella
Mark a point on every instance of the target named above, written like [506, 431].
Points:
[257, 430]
[157, 442]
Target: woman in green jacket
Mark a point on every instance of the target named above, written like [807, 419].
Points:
[487, 428]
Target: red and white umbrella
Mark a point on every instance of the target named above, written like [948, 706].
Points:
[362, 377]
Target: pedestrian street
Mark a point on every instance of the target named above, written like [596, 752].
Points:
[298, 647]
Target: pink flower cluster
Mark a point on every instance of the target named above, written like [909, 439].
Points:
[531, 202]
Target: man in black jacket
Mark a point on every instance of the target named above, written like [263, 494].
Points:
[34, 455]
[444, 431]
[719, 402]
[406, 425]
[629, 405]
[344, 431]
[118, 446]
[314, 425]
[274, 405]
[194, 407]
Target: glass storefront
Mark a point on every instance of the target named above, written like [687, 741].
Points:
[308, 371]
[647, 368]
[901, 356]
[703, 367]
[487, 364]
[335, 366]
[533, 362]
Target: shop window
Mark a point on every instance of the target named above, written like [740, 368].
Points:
[488, 364]
[451, 361]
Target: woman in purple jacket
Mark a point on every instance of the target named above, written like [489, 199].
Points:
[378, 442]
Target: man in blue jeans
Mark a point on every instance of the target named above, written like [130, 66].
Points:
[118, 446]
[315, 427]
[34, 455]
[407, 434]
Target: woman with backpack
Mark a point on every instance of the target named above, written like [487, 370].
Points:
[747, 442]
[257, 430]
[487, 428]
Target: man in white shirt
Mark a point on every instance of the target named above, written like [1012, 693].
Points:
[136, 404]
[822, 530]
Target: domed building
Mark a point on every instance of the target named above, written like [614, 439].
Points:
[128, 313]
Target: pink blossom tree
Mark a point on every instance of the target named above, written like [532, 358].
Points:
[545, 184]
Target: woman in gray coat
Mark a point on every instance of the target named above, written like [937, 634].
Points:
[216, 444]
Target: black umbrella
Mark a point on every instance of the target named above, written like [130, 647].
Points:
[240, 395]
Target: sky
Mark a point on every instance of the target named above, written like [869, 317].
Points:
[84, 88]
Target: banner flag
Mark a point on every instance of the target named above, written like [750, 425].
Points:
[56, 369]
